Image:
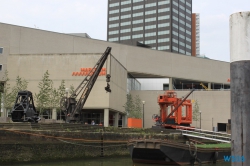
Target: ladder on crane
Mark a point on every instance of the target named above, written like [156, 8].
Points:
[205, 134]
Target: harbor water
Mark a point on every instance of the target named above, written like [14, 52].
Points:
[99, 161]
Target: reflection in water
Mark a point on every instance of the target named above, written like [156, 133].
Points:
[98, 161]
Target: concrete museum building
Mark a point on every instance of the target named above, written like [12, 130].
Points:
[29, 53]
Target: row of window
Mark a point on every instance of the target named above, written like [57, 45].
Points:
[138, 22]
[139, 7]
[139, 35]
[134, 1]
[163, 47]
[141, 14]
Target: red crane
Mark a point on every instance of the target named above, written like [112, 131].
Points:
[174, 111]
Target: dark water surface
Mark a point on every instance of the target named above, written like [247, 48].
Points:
[98, 161]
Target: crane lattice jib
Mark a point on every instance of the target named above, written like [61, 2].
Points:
[87, 84]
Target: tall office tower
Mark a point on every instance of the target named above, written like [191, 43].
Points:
[195, 34]
[157, 24]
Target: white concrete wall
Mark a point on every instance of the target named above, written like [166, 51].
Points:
[61, 66]
[23, 40]
[213, 104]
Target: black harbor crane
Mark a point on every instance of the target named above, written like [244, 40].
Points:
[72, 106]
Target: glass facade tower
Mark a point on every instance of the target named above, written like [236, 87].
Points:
[157, 24]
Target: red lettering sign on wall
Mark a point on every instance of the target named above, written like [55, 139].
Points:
[88, 71]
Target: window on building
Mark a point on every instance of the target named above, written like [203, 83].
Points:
[137, 36]
[163, 10]
[182, 7]
[175, 33]
[1, 50]
[125, 23]
[175, 25]
[150, 41]
[125, 38]
[125, 30]
[150, 19]
[113, 18]
[113, 32]
[176, 11]
[113, 25]
[188, 11]
[182, 51]
[175, 48]
[163, 40]
[150, 34]
[163, 47]
[163, 17]
[188, 46]
[150, 27]
[125, 9]
[150, 4]
[138, 29]
[138, 14]
[175, 41]
[188, 25]
[188, 4]
[175, 3]
[137, 7]
[183, 15]
[113, 11]
[163, 32]
[134, 1]
[126, 2]
[188, 18]
[1, 67]
[188, 39]
[137, 21]
[163, 25]
[125, 16]
[164, 2]
[175, 18]
[150, 12]
[113, 39]
[188, 32]
[182, 36]
[114, 4]
[182, 44]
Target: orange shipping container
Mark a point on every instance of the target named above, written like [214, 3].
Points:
[134, 123]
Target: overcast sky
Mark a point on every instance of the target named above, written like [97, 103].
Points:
[90, 16]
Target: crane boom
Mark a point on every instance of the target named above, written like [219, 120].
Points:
[73, 107]
[171, 113]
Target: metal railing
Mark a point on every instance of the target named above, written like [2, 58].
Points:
[205, 134]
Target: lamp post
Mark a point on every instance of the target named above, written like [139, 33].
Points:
[200, 119]
[143, 102]
[66, 94]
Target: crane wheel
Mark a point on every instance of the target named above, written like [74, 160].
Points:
[64, 103]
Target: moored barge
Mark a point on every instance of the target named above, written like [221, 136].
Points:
[173, 153]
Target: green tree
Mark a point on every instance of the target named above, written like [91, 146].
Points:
[196, 109]
[21, 85]
[71, 89]
[45, 89]
[10, 94]
[61, 90]
[5, 88]
[138, 107]
[133, 107]
[61, 93]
